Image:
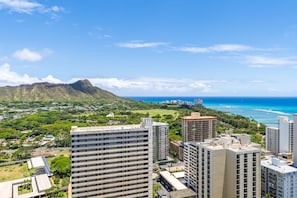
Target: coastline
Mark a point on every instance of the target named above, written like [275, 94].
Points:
[262, 109]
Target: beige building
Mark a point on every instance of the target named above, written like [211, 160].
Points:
[112, 161]
[198, 128]
[223, 168]
[176, 149]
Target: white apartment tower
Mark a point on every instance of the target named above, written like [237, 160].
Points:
[295, 140]
[160, 141]
[223, 168]
[272, 140]
[112, 161]
[278, 179]
[285, 134]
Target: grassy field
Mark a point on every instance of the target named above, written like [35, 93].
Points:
[13, 172]
[161, 112]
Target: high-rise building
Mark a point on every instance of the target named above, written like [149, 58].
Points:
[160, 141]
[295, 139]
[285, 134]
[223, 168]
[198, 128]
[112, 161]
[278, 179]
[272, 140]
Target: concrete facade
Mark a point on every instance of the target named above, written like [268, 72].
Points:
[197, 128]
[285, 134]
[295, 140]
[112, 161]
[160, 141]
[278, 179]
[223, 168]
[272, 140]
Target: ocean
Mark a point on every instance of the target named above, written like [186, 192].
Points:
[262, 109]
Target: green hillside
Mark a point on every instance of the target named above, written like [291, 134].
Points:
[78, 91]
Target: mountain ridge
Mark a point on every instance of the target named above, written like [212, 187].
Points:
[45, 91]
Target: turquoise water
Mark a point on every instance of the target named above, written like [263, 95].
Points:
[262, 109]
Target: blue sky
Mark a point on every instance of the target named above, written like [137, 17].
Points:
[153, 48]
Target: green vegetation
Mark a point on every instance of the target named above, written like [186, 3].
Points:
[26, 187]
[162, 113]
[12, 172]
[156, 187]
[77, 91]
[26, 132]
[61, 166]
[55, 192]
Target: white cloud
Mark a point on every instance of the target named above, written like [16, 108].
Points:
[9, 77]
[154, 86]
[29, 7]
[57, 8]
[263, 61]
[140, 44]
[28, 55]
[51, 79]
[21, 6]
[217, 48]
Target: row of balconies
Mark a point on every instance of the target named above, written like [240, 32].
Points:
[106, 166]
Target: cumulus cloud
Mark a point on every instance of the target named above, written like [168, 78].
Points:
[154, 86]
[51, 79]
[21, 6]
[9, 77]
[263, 61]
[141, 44]
[28, 7]
[216, 48]
[27, 55]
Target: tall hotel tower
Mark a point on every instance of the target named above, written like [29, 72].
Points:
[285, 134]
[198, 128]
[112, 161]
[160, 141]
[272, 140]
[223, 168]
[295, 140]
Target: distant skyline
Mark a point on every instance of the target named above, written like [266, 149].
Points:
[153, 48]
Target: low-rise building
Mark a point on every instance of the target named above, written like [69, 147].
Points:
[176, 149]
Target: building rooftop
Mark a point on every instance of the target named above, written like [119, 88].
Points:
[160, 123]
[39, 162]
[228, 142]
[175, 183]
[277, 165]
[36, 162]
[270, 127]
[178, 175]
[39, 184]
[43, 182]
[185, 193]
[197, 116]
[105, 128]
